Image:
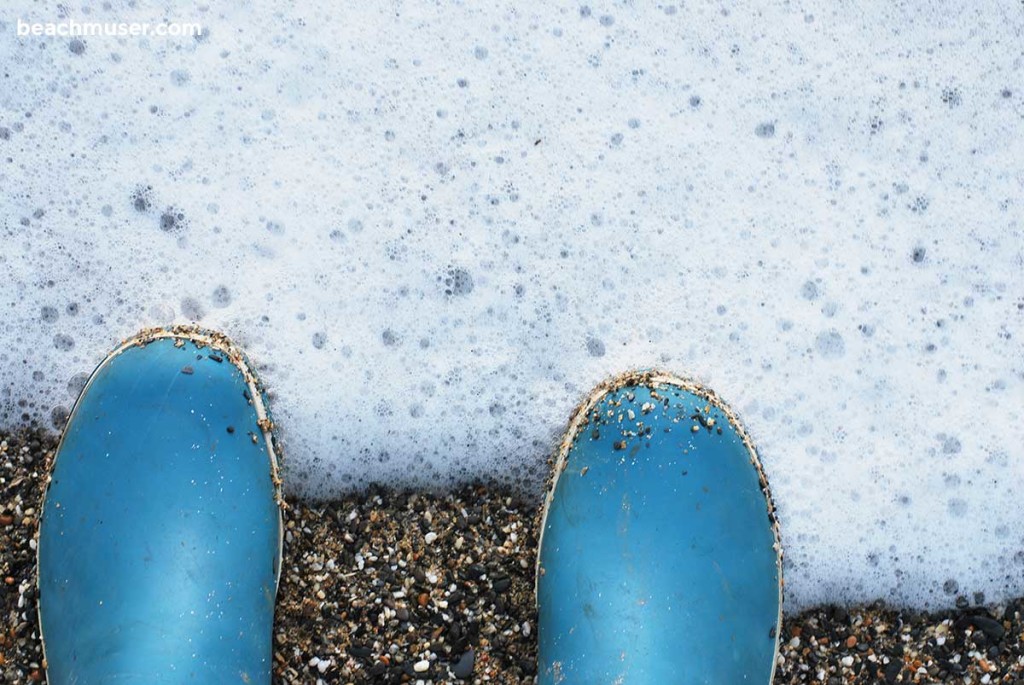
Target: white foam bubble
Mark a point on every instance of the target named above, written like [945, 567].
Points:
[435, 229]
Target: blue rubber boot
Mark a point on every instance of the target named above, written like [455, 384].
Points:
[160, 540]
[659, 557]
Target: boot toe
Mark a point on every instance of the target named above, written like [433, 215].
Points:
[659, 557]
[159, 546]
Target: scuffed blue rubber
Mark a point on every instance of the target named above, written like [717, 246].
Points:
[159, 548]
[659, 559]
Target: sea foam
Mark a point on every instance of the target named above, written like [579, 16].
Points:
[436, 226]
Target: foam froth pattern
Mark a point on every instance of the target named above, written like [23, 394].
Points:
[436, 227]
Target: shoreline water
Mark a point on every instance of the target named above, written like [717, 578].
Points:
[407, 587]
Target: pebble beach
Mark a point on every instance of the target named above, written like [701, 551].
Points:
[405, 587]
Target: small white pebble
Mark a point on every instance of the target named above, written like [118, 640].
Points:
[421, 666]
[430, 537]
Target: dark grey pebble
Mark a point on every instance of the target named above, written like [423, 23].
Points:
[991, 627]
[360, 652]
[463, 668]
